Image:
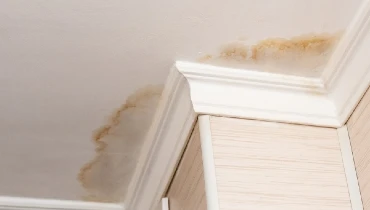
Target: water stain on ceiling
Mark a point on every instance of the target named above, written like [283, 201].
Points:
[306, 53]
[118, 144]
[49, 48]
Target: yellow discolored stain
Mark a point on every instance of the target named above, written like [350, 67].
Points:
[237, 51]
[204, 58]
[302, 46]
[298, 54]
[118, 143]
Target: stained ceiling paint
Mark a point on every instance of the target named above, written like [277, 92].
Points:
[66, 64]
[305, 55]
[106, 177]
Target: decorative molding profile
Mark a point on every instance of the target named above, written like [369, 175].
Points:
[258, 95]
[15, 203]
[347, 75]
[193, 89]
[171, 128]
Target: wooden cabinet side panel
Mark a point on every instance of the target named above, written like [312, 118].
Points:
[276, 166]
[359, 133]
[187, 190]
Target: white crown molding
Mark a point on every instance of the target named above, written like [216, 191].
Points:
[160, 153]
[258, 95]
[194, 89]
[16, 203]
[347, 75]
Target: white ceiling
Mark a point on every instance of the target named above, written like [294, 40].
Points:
[66, 65]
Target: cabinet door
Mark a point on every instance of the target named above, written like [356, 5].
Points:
[187, 191]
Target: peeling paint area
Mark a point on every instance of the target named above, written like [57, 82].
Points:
[118, 143]
[304, 55]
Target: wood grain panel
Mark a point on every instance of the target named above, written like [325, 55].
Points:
[276, 166]
[358, 130]
[187, 191]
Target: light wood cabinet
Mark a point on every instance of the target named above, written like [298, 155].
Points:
[254, 164]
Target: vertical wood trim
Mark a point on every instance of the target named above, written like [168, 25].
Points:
[350, 170]
[165, 204]
[208, 162]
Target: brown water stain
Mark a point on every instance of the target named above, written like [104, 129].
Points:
[118, 143]
[304, 55]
